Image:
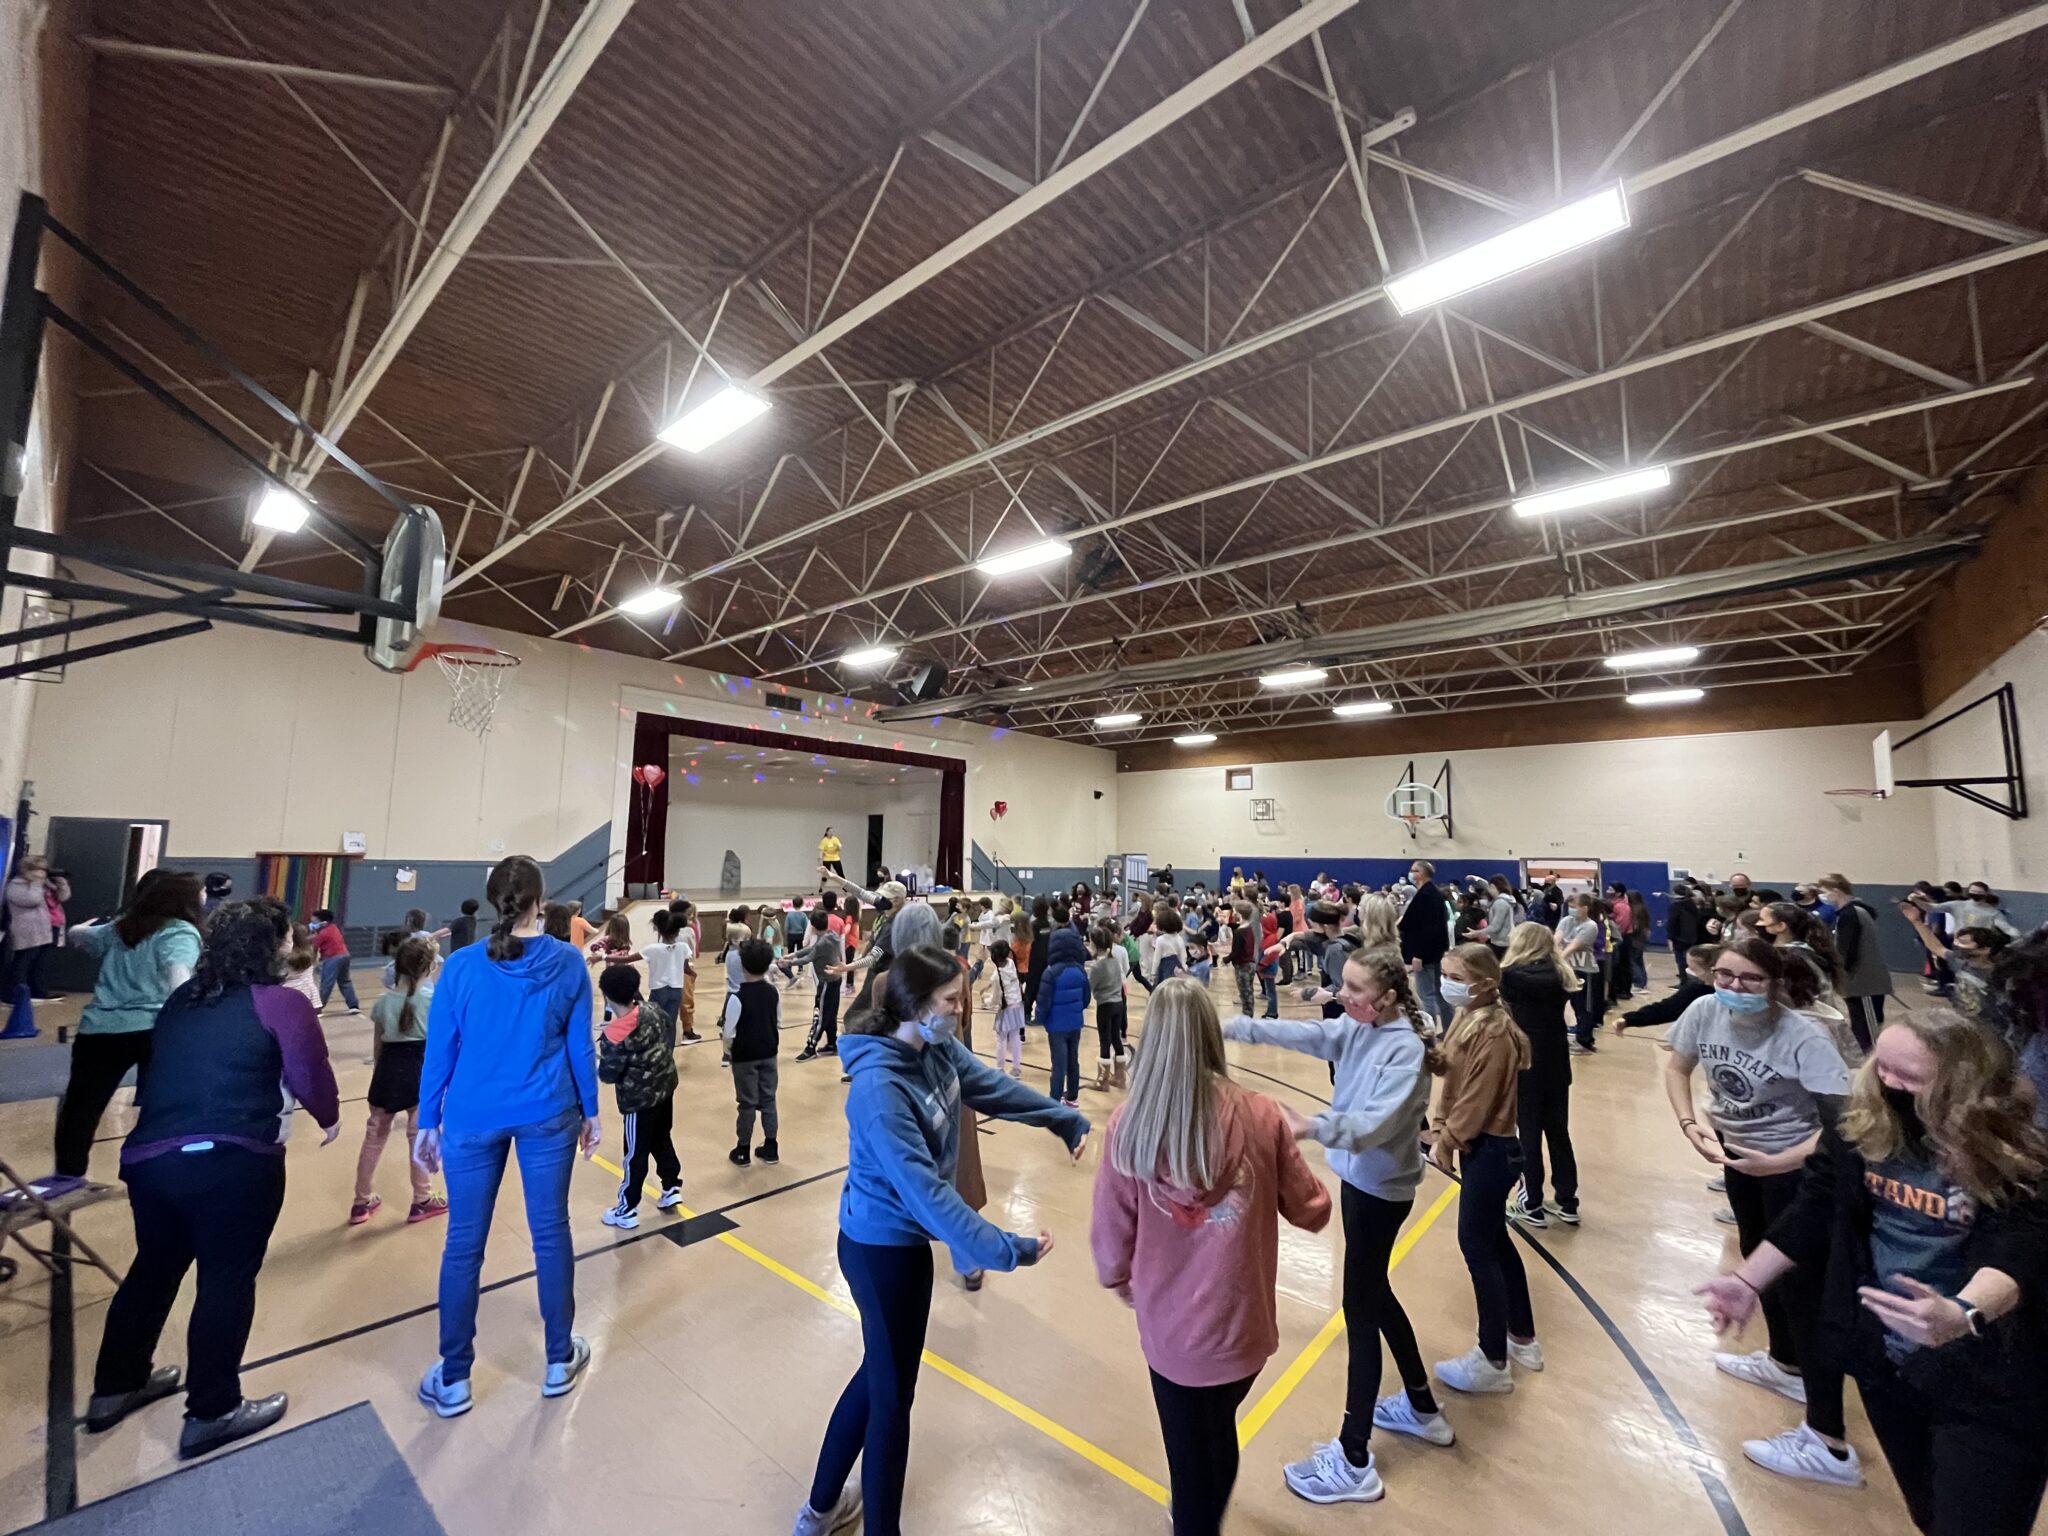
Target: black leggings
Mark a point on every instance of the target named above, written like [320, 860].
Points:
[1492, 1165]
[1866, 1018]
[892, 1287]
[1110, 1019]
[98, 1063]
[1590, 1004]
[1544, 1112]
[1373, 1312]
[1963, 1470]
[824, 1035]
[1792, 1307]
[1199, 1425]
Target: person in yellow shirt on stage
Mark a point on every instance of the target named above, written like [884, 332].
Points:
[828, 853]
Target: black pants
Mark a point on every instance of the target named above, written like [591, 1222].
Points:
[1791, 1308]
[1492, 1165]
[1544, 1112]
[1589, 1003]
[98, 1063]
[650, 1134]
[217, 1208]
[1619, 988]
[1963, 1471]
[837, 867]
[824, 1035]
[26, 966]
[1373, 1312]
[1678, 950]
[1866, 1018]
[1110, 1019]
[892, 1288]
[1199, 1425]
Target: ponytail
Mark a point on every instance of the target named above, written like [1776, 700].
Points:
[514, 887]
[410, 967]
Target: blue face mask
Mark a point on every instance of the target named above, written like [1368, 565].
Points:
[935, 1029]
[1742, 1002]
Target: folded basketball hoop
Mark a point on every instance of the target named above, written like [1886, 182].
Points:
[1857, 794]
[476, 677]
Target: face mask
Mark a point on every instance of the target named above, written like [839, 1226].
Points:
[1456, 993]
[1902, 1104]
[936, 1029]
[1742, 1002]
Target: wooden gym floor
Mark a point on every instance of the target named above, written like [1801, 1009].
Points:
[721, 1341]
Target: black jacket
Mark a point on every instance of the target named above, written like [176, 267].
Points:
[1041, 941]
[2002, 1377]
[1667, 1010]
[1425, 926]
[1685, 925]
[757, 1031]
[1536, 1000]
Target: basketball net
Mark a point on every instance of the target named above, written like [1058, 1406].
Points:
[476, 678]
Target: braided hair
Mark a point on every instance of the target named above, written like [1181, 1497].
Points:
[513, 889]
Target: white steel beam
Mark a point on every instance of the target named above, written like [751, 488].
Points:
[121, 48]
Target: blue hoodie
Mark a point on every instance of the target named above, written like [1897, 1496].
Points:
[509, 1041]
[903, 1136]
[1063, 991]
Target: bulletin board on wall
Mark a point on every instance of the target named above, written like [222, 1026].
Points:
[305, 882]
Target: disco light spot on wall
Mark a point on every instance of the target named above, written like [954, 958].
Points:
[998, 733]
[691, 777]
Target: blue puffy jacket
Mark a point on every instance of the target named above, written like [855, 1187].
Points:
[1063, 990]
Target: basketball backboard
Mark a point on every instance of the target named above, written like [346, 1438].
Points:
[1881, 755]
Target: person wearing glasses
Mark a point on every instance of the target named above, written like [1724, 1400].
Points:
[1769, 1068]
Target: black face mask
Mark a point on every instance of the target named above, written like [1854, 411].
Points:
[1902, 1104]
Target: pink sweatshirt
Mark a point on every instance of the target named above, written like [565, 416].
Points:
[1201, 1264]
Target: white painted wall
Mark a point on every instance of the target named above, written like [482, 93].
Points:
[774, 828]
[1707, 803]
[1971, 843]
[250, 742]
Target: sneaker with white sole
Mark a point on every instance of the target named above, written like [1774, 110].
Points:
[625, 1221]
[670, 1198]
[1760, 1370]
[1328, 1477]
[1718, 1184]
[1528, 1356]
[847, 1510]
[1569, 1217]
[1800, 1452]
[447, 1398]
[563, 1375]
[1726, 1216]
[1527, 1215]
[1398, 1416]
[1473, 1372]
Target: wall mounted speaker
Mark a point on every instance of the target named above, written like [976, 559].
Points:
[927, 681]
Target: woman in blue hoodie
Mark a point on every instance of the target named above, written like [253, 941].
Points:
[510, 1069]
[910, 1078]
[1062, 1005]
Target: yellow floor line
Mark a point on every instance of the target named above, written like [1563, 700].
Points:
[1303, 1363]
[1022, 1412]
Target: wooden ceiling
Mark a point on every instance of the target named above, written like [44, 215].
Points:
[735, 176]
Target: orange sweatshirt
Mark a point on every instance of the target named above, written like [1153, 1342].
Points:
[1478, 1093]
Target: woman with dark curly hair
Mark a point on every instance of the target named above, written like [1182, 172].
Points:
[1925, 1216]
[235, 1052]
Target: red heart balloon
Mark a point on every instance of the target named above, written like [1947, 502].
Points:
[650, 775]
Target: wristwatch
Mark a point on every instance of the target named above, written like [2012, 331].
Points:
[1973, 1318]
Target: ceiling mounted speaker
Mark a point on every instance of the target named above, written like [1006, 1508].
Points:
[927, 681]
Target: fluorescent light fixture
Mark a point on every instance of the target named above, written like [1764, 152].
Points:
[1668, 696]
[1024, 559]
[1363, 707]
[1515, 250]
[653, 600]
[719, 417]
[1632, 661]
[1195, 739]
[870, 656]
[282, 511]
[1113, 722]
[1591, 493]
[1293, 677]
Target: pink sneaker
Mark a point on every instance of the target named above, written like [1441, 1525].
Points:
[427, 1209]
[363, 1210]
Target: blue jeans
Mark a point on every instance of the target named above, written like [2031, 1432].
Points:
[1269, 987]
[1429, 992]
[1066, 1064]
[334, 973]
[474, 1165]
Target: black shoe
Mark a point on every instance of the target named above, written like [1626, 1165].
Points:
[739, 1156]
[1526, 1214]
[1570, 1218]
[768, 1152]
[806, 1055]
[251, 1417]
[105, 1411]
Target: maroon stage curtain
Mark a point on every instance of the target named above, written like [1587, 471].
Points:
[647, 813]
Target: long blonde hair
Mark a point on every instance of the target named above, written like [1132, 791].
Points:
[1167, 1131]
[1378, 922]
[1979, 1111]
[1536, 944]
[1484, 1019]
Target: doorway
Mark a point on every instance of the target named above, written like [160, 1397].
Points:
[103, 857]
[874, 852]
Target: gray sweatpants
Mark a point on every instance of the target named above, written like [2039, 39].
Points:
[753, 1084]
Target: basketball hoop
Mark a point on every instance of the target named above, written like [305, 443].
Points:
[476, 676]
[1413, 823]
[1857, 794]
[1411, 804]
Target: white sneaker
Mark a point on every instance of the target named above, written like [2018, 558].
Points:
[1760, 1370]
[1718, 1185]
[1328, 1477]
[670, 1198]
[810, 1523]
[1528, 1356]
[1799, 1452]
[1725, 1216]
[1395, 1414]
[625, 1221]
[1473, 1372]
